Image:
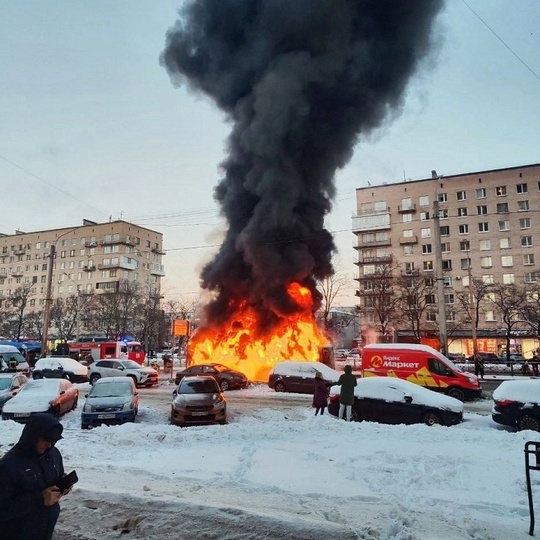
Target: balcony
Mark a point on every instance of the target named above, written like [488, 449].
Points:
[157, 270]
[17, 273]
[120, 240]
[404, 240]
[89, 267]
[407, 209]
[158, 251]
[374, 260]
[19, 251]
[373, 243]
[90, 243]
[410, 273]
[375, 222]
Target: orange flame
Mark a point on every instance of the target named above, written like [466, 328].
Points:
[236, 345]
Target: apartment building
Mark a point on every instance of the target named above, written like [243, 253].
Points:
[489, 230]
[93, 257]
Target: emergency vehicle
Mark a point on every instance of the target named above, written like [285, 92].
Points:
[131, 350]
[419, 364]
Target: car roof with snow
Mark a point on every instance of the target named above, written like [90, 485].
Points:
[525, 391]
[394, 389]
[50, 362]
[305, 368]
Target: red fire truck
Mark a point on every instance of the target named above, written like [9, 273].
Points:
[132, 350]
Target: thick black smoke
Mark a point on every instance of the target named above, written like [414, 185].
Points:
[299, 81]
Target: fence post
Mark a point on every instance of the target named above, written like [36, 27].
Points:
[532, 448]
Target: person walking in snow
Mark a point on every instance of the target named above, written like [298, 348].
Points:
[478, 365]
[29, 473]
[320, 394]
[347, 381]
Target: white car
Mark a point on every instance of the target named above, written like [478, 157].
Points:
[289, 376]
[60, 367]
[116, 367]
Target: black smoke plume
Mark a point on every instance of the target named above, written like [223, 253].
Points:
[299, 80]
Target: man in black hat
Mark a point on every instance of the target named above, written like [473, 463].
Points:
[29, 473]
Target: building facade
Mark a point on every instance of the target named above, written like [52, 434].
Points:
[91, 258]
[488, 227]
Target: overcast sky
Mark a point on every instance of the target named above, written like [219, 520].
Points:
[90, 125]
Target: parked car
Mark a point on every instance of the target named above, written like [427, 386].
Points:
[354, 353]
[10, 385]
[456, 357]
[11, 359]
[515, 358]
[289, 376]
[113, 367]
[112, 400]
[227, 378]
[54, 396]
[341, 353]
[487, 357]
[198, 400]
[517, 404]
[389, 400]
[60, 367]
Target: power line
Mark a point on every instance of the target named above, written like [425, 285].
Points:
[501, 40]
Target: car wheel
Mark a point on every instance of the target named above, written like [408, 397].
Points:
[85, 426]
[280, 387]
[456, 393]
[527, 421]
[37, 375]
[133, 378]
[356, 416]
[94, 378]
[224, 385]
[431, 418]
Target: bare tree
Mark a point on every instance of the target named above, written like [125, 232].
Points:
[65, 313]
[330, 288]
[19, 300]
[530, 310]
[471, 301]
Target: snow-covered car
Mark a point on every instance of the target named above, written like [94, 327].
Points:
[517, 404]
[113, 400]
[289, 376]
[341, 353]
[60, 367]
[10, 386]
[198, 400]
[389, 400]
[11, 359]
[115, 367]
[54, 396]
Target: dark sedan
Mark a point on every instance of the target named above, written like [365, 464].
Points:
[388, 400]
[227, 378]
[516, 404]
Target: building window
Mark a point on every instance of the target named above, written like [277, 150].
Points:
[447, 281]
[507, 260]
[504, 243]
[431, 317]
[531, 277]
[428, 265]
[443, 214]
[462, 195]
[462, 212]
[487, 279]
[490, 316]
[500, 191]
[407, 218]
[521, 188]
[528, 259]
[502, 208]
[463, 229]
[508, 279]
[408, 250]
[483, 226]
[445, 231]
[525, 223]
[448, 298]
[526, 241]
[445, 247]
[447, 265]
[409, 268]
[424, 200]
[425, 233]
[482, 210]
[407, 233]
[429, 282]
[426, 248]
[465, 264]
[464, 245]
[442, 197]
[429, 299]
[485, 262]
[406, 204]
[485, 245]
[504, 225]
[481, 193]
[465, 281]
[523, 206]
[424, 216]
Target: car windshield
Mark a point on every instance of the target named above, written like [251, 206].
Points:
[44, 387]
[5, 383]
[203, 386]
[13, 356]
[130, 364]
[110, 389]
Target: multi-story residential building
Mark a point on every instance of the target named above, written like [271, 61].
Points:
[94, 257]
[489, 227]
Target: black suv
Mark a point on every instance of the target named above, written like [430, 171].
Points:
[487, 357]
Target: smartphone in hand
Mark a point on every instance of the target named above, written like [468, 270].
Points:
[67, 481]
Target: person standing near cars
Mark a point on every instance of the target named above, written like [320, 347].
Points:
[29, 473]
[347, 381]
[478, 365]
[320, 394]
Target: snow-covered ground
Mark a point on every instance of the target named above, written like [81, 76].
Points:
[280, 472]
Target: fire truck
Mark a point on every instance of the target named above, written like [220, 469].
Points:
[131, 350]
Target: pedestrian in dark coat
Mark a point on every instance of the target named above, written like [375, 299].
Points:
[28, 475]
[347, 381]
[478, 366]
[320, 394]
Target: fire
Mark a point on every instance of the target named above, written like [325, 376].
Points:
[239, 345]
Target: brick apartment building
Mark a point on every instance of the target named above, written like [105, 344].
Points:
[93, 257]
[489, 230]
